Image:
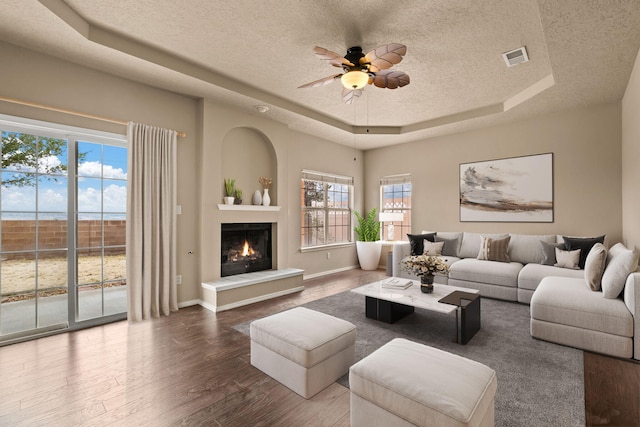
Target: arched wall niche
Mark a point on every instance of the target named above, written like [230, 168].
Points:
[248, 154]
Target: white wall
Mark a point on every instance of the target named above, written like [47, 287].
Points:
[43, 79]
[294, 151]
[586, 145]
[631, 160]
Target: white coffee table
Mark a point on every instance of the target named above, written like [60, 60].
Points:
[390, 305]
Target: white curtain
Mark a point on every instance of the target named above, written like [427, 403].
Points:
[151, 222]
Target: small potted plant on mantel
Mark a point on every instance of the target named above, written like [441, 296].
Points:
[238, 199]
[230, 189]
[367, 247]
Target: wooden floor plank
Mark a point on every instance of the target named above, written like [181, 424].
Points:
[193, 369]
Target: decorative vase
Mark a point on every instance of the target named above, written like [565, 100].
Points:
[368, 254]
[257, 198]
[266, 200]
[426, 279]
[228, 200]
[426, 283]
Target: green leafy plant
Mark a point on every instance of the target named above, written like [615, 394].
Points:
[368, 228]
[229, 186]
[239, 193]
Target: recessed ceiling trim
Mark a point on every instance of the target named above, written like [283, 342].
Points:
[173, 62]
[528, 93]
[126, 45]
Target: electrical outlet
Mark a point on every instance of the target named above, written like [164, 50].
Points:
[328, 255]
[179, 279]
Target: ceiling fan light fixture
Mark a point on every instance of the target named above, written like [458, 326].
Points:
[354, 79]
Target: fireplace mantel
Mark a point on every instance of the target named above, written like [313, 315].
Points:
[224, 207]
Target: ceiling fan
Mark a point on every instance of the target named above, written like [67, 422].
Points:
[360, 69]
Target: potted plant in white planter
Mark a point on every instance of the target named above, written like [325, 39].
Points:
[229, 189]
[368, 231]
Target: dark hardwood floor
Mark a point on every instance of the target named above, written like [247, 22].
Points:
[192, 368]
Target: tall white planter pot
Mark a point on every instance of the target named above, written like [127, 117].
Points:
[368, 254]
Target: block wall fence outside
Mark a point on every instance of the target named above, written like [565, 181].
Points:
[19, 235]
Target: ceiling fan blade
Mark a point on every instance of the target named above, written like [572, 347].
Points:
[334, 59]
[349, 96]
[384, 57]
[391, 79]
[321, 82]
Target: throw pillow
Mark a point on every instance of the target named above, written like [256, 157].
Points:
[451, 242]
[434, 249]
[594, 266]
[416, 241]
[568, 259]
[585, 244]
[494, 249]
[470, 245]
[549, 252]
[615, 274]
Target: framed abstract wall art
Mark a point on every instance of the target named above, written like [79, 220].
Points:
[517, 189]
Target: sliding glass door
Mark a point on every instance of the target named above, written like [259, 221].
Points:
[62, 230]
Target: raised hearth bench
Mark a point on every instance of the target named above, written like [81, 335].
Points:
[243, 289]
[390, 305]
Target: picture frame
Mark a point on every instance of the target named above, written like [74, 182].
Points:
[514, 189]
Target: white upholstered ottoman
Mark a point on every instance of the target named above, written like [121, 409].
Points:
[405, 383]
[303, 349]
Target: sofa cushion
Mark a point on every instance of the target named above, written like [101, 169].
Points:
[622, 263]
[452, 241]
[489, 272]
[524, 248]
[494, 249]
[570, 302]
[531, 274]
[568, 259]
[470, 245]
[584, 244]
[549, 252]
[594, 266]
[432, 248]
[417, 242]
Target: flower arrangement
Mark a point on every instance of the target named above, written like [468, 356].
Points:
[424, 264]
[265, 182]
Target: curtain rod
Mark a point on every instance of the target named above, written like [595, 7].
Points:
[74, 113]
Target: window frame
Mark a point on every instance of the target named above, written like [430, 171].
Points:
[326, 179]
[401, 227]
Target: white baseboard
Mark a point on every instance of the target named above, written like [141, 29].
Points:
[184, 304]
[326, 273]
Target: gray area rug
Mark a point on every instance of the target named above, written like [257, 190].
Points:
[539, 383]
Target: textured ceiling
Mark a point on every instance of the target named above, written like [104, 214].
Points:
[246, 53]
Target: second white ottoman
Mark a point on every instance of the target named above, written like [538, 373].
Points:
[303, 349]
[404, 383]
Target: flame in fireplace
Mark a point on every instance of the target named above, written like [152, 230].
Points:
[247, 250]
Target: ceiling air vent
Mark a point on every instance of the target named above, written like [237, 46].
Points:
[515, 57]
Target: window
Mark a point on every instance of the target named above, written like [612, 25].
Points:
[62, 227]
[325, 209]
[395, 197]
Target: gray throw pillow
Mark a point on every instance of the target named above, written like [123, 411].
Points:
[451, 244]
[549, 252]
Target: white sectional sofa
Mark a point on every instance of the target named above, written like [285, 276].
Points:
[511, 281]
[566, 310]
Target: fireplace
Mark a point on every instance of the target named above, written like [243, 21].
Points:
[246, 248]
